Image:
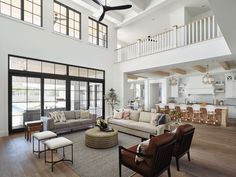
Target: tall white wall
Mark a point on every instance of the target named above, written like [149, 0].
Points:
[20, 38]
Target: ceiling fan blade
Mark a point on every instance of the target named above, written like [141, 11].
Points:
[107, 8]
[97, 2]
[102, 16]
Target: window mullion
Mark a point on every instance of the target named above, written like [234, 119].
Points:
[97, 33]
[67, 21]
[22, 10]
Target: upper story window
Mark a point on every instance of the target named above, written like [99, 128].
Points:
[26, 10]
[66, 20]
[98, 33]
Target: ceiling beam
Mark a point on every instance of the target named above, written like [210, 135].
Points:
[162, 73]
[225, 65]
[200, 68]
[178, 71]
[132, 77]
[138, 5]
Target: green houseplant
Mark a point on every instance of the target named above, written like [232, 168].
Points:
[112, 99]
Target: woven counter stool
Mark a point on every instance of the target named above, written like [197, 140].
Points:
[42, 136]
[55, 144]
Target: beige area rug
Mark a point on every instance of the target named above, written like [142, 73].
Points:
[213, 154]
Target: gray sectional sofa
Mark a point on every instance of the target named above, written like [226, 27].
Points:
[73, 122]
[139, 124]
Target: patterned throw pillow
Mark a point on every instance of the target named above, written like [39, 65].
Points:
[61, 116]
[84, 114]
[54, 116]
[142, 147]
[126, 115]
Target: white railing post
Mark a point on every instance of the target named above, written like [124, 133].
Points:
[175, 39]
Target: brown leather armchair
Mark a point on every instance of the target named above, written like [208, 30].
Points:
[184, 135]
[157, 158]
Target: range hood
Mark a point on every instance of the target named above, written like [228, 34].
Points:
[195, 86]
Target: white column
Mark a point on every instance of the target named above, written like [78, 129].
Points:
[146, 97]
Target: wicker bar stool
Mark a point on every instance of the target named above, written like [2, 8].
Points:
[211, 115]
[197, 117]
[184, 112]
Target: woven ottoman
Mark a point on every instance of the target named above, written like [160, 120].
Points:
[42, 136]
[95, 138]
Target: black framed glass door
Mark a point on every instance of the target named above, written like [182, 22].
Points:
[96, 98]
[25, 100]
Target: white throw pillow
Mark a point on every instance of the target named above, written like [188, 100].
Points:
[118, 115]
[84, 114]
[154, 119]
[142, 147]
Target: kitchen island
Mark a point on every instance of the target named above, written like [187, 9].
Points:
[221, 111]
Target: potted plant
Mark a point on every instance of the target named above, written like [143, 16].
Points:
[112, 99]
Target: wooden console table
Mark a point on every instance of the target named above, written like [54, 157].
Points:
[32, 126]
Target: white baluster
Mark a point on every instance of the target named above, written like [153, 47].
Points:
[213, 27]
[205, 29]
[209, 27]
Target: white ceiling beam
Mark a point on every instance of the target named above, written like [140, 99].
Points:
[138, 5]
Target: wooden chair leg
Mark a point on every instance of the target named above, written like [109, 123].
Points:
[177, 163]
[169, 175]
[188, 156]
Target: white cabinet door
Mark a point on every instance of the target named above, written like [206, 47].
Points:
[174, 91]
[232, 111]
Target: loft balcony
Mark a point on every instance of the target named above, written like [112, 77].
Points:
[180, 36]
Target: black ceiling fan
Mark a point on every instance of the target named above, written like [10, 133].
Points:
[108, 8]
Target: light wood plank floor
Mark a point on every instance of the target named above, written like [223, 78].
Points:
[213, 154]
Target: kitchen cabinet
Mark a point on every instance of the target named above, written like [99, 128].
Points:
[232, 111]
[230, 85]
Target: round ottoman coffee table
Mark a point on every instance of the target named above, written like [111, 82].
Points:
[95, 138]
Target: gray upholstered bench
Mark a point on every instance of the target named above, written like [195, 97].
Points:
[57, 143]
[42, 136]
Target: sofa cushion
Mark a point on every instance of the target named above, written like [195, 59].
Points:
[60, 125]
[77, 114]
[162, 119]
[78, 122]
[61, 116]
[145, 117]
[69, 115]
[143, 126]
[134, 115]
[120, 122]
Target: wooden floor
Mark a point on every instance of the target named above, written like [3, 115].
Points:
[213, 155]
[17, 160]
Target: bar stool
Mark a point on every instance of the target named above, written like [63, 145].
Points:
[184, 112]
[211, 115]
[190, 113]
[162, 108]
[197, 113]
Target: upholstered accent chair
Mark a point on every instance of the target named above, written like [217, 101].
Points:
[157, 157]
[183, 135]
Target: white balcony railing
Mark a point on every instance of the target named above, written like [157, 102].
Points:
[179, 36]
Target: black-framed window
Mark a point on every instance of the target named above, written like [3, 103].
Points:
[97, 33]
[67, 20]
[26, 10]
[37, 87]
